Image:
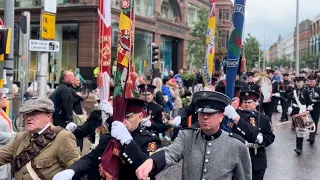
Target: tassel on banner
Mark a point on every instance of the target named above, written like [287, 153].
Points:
[243, 62]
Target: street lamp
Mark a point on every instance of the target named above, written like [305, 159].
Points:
[297, 41]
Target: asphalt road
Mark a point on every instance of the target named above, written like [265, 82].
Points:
[283, 163]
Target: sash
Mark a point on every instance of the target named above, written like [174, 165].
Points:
[302, 108]
[34, 149]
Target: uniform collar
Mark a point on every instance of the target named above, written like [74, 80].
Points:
[212, 137]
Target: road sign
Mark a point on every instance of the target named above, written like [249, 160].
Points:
[50, 6]
[48, 26]
[43, 45]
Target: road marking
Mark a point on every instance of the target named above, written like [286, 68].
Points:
[286, 122]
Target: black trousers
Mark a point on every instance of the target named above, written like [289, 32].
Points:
[268, 109]
[258, 175]
[285, 107]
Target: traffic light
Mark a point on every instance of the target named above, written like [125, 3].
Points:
[5, 40]
[154, 53]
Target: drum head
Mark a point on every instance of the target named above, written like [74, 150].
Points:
[266, 89]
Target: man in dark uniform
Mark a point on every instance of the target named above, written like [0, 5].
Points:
[300, 102]
[251, 84]
[265, 136]
[137, 144]
[270, 106]
[315, 98]
[154, 111]
[284, 89]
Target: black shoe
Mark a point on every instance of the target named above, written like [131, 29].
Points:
[298, 151]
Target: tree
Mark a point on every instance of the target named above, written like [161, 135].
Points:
[251, 51]
[197, 45]
[309, 60]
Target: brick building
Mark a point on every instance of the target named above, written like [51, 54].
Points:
[166, 22]
[273, 53]
[304, 35]
[315, 38]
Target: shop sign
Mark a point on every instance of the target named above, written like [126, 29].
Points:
[171, 29]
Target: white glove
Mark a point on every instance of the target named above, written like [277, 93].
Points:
[176, 121]
[309, 108]
[146, 123]
[276, 94]
[120, 132]
[106, 107]
[290, 110]
[279, 108]
[104, 117]
[64, 175]
[230, 112]
[259, 138]
[71, 126]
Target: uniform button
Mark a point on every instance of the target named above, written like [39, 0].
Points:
[99, 158]
[206, 161]
[153, 134]
[140, 130]
[210, 144]
[208, 152]
[24, 172]
[205, 171]
[125, 156]
[203, 179]
[130, 162]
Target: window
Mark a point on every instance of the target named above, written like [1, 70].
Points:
[224, 14]
[27, 3]
[145, 8]
[166, 10]
[193, 14]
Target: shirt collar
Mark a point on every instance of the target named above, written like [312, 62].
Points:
[42, 130]
[212, 137]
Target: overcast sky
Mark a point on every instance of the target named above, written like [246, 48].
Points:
[276, 17]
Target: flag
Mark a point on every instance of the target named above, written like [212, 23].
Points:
[234, 49]
[110, 161]
[208, 67]
[104, 35]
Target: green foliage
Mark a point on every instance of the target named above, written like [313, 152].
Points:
[185, 101]
[187, 77]
[283, 62]
[251, 51]
[197, 45]
[309, 60]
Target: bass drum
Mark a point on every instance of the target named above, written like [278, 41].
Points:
[266, 89]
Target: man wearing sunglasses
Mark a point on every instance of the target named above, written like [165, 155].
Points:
[249, 99]
[43, 149]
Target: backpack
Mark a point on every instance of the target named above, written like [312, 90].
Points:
[53, 98]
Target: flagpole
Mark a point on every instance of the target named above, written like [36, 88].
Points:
[297, 41]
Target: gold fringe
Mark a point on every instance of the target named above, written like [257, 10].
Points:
[104, 174]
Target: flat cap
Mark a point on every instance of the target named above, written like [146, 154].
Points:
[37, 104]
[210, 102]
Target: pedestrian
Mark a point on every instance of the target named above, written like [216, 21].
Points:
[300, 102]
[137, 144]
[158, 92]
[167, 94]
[62, 98]
[176, 93]
[6, 134]
[43, 149]
[269, 107]
[265, 137]
[207, 152]
[77, 73]
[171, 73]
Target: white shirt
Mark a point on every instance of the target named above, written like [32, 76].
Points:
[43, 129]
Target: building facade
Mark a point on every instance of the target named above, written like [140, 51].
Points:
[167, 23]
[315, 38]
[273, 53]
[304, 35]
[288, 47]
[279, 50]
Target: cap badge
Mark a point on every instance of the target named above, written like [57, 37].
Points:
[247, 94]
[204, 95]
[253, 121]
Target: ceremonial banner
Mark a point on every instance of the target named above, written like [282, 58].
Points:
[124, 84]
[208, 67]
[235, 46]
[104, 37]
[234, 51]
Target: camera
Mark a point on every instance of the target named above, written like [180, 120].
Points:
[52, 45]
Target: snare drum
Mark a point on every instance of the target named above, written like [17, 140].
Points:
[303, 121]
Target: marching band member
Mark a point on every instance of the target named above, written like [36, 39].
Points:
[300, 102]
[137, 144]
[315, 98]
[265, 136]
[204, 149]
[154, 111]
[270, 106]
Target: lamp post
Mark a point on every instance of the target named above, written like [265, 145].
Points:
[297, 41]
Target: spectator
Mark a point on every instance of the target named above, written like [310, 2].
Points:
[63, 100]
[6, 134]
[77, 73]
[179, 77]
[166, 94]
[158, 92]
[32, 90]
[171, 74]
[176, 93]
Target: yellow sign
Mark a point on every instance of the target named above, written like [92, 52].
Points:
[48, 26]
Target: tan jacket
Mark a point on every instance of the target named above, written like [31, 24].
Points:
[55, 157]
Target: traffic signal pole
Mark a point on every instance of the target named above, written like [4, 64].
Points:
[8, 58]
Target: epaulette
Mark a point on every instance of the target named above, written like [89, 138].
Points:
[237, 136]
